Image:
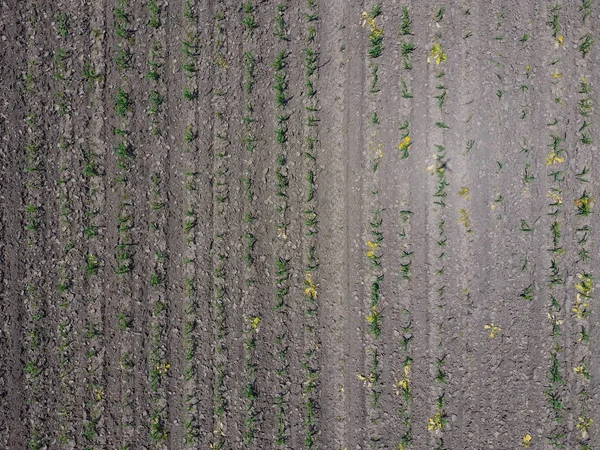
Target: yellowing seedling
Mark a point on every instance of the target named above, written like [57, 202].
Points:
[493, 329]
[310, 287]
[553, 158]
[405, 143]
[437, 422]
[437, 54]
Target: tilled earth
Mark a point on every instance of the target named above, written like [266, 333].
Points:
[309, 224]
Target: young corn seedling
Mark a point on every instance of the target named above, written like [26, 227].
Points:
[437, 54]
[154, 14]
[439, 420]
[405, 140]
[375, 33]
[586, 9]
[554, 22]
[407, 49]
[249, 21]
[584, 204]
[405, 22]
[122, 103]
[493, 329]
[527, 293]
[586, 44]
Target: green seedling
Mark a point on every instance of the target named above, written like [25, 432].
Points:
[586, 44]
[439, 15]
[122, 103]
[554, 22]
[525, 226]
[407, 49]
[280, 31]
[527, 293]
[124, 321]
[154, 13]
[63, 24]
[584, 204]
[405, 22]
[586, 8]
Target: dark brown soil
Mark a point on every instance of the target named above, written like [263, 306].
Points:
[243, 224]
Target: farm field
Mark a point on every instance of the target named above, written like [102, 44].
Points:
[299, 224]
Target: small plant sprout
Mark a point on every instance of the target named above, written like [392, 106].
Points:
[403, 385]
[367, 380]
[437, 422]
[586, 285]
[437, 54]
[376, 33]
[554, 22]
[439, 15]
[405, 144]
[527, 293]
[526, 441]
[405, 22]
[584, 204]
[525, 226]
[554, 158]
[465, 219]
[464, 192]
[586, 8]
[583, 371]
[586, 44]
[310, 287]
[584, 424]
[122, 103]
[407, 48]
[493, 329]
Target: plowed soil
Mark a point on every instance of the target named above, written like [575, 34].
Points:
[305, 224]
